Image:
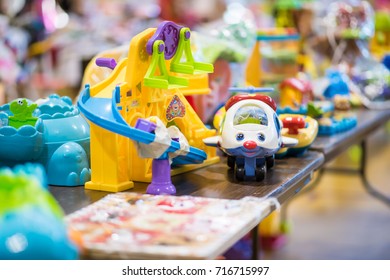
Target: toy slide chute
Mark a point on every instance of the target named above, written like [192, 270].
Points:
[104, 113]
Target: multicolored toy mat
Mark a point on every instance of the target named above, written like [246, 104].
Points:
[139, 226]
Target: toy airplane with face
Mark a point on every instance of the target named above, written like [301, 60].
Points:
[250, 134]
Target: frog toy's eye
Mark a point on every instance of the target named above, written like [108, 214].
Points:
[20, 102]
[240, 136]
[261, 137]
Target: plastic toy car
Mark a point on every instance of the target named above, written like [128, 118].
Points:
[250, 134]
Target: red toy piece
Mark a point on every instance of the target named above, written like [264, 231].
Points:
[293, 124]
[264, 98]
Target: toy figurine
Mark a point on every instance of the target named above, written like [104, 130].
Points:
[294, 13]
[338, 90]
[250, 135]
[22, 113]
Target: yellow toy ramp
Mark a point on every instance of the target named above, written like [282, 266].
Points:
[94, 74]
[134, 100]
[197, 85]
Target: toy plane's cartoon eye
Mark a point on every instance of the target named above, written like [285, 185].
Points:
[20, 102]
[240, 136]
[261, 137]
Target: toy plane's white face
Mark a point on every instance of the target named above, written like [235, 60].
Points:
[250, 128]
[251, 124]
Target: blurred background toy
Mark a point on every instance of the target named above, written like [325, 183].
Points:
[295, 92]
[192, 12]
[349, 28]
[379, 44]
[338, 90]
[22, 113]
[31, 220]
[274, 58]
[300, 127]
[226, 43]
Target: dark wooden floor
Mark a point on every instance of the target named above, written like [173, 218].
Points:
[338, 219]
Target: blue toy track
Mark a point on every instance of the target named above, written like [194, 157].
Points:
[104, 113]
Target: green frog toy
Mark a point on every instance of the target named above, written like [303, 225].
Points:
[22, 113]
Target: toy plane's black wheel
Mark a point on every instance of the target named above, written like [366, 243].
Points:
[240, 173]
[231, 161]
[260, 173]
[270, 161]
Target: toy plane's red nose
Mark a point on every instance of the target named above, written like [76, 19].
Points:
[250, 145]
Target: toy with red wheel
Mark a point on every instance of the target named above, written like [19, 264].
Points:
[300, 127]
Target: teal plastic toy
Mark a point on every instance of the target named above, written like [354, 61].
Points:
[58, 138]
[31, 221]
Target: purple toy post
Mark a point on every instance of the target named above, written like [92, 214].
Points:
[161, 178]
[161, 168]
[106, 62]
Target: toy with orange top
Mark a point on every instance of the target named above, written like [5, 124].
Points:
[295, 92]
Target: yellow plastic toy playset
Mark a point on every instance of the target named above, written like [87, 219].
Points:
[197, 84]
[151, 80]
[274, 57]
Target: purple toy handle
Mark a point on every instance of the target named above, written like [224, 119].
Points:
[161, 168]
[161, 178]
[145, 125]
[169, 32]
[106, 62]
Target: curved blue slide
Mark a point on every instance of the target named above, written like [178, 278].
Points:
[104, 112]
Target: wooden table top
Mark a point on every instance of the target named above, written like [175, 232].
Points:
[368, 122]
[287, 177]
[283, 181]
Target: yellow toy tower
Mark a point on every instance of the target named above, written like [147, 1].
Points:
[274, 57]
[148, 82]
